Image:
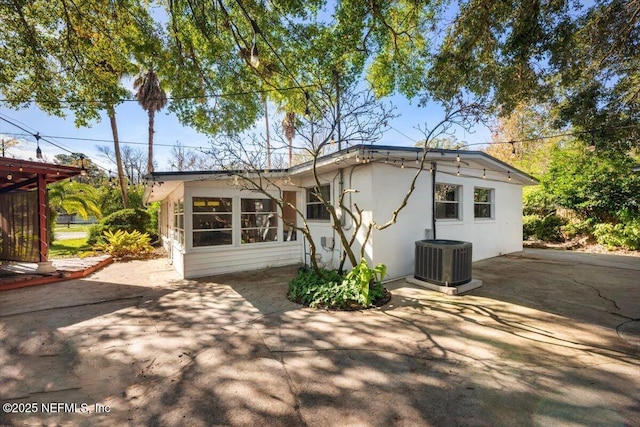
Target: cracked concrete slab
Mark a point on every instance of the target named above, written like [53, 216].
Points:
[550, 339]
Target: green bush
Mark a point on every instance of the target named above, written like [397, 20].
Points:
[548, 228]
[575, 228]
[536, 200]
[621, 235]
[530, 225]
[358, 289]
[124, 243]
[126, 220]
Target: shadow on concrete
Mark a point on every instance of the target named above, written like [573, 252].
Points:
[231, 350]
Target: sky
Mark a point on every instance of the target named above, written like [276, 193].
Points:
[133, 125]
[133, 128]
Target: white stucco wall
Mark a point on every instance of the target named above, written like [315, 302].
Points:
[381, 190]
[394, 246]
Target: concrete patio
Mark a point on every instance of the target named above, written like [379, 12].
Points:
[552, 338]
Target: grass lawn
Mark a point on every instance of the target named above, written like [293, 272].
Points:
[72, 227]
[69, 248]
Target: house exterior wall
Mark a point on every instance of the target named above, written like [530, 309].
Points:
[354, 178]
[211, 260]
[499, 235]
[175, 251]
[394, 246]
[382, 188]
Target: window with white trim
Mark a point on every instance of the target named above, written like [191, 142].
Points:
[178, 221]
[483, 203]
[447, 201]
[259, 220]
[212, 221]
[316, 210]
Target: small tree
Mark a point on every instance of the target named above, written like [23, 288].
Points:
[363, 120]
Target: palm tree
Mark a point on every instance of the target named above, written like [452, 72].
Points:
[152, 98]
[289, 128]
[72, 198]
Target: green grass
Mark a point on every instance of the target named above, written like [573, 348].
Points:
[73, 227]
[69, 248]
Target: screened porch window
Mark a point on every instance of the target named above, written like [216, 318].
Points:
[178, 221]
[212, 221]
[259, 220]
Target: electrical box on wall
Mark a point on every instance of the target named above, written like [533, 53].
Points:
[327, 242]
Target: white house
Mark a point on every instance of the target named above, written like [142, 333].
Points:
[210, 225]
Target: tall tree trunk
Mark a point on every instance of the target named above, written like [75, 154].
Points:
[151, 124]
[111, 112]
[266, 123]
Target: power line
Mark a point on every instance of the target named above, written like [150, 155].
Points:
[177, 98]
[38, 137]
[121, 142]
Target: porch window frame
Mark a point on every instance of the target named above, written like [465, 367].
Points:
[178, 214]
[225, 214]
[272, 214]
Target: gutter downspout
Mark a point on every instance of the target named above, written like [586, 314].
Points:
[433, 198]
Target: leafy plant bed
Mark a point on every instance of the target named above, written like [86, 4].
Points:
[351, 305]
[359, 289]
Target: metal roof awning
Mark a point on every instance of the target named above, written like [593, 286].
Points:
[16, 174]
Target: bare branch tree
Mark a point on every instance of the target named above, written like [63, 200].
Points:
[363, 120]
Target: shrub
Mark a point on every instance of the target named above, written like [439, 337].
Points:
[358, 289]
[125, 243]
[574, 228]
[537, 201]
[530, 225]
[127, 220]
[548, 228]
[622, 235]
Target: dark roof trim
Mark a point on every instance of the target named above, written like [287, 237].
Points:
[370, 149]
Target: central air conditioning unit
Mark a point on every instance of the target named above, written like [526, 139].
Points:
[443, 262]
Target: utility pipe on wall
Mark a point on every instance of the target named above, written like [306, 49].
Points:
[433, 198]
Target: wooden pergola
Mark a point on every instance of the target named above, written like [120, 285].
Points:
[22, 176]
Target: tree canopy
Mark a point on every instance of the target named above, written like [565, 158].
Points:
[580, 58]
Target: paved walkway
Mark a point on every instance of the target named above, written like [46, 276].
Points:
[548, 340]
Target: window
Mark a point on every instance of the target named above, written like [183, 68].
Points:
[178, 221]
[315, 208]
[289, 216]
[212, 221]
[259, 221]
[447, 201]
[483, 203]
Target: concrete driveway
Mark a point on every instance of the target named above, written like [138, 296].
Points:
[551, 339]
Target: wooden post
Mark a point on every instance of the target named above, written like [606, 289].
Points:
[44, 266]
[42, 218]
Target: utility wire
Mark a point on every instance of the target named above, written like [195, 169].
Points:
[38, 137]
[212, 95]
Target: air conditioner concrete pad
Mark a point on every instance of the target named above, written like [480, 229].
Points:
[449, 290]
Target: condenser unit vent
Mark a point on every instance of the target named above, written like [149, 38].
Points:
[443, 262]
